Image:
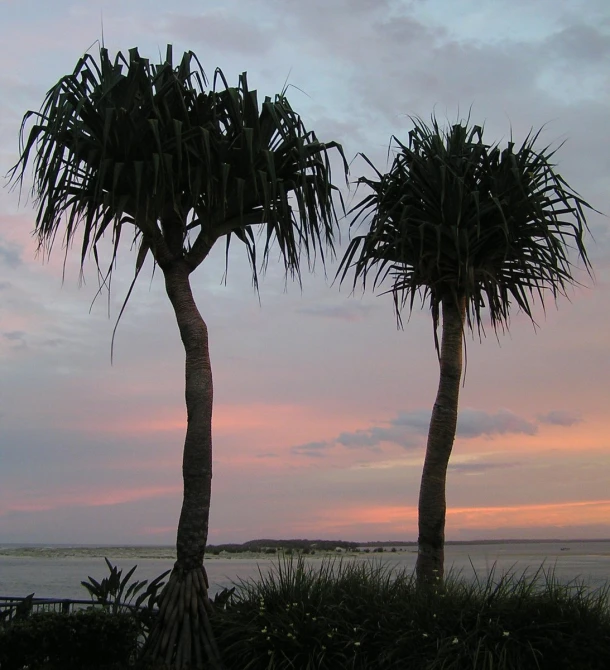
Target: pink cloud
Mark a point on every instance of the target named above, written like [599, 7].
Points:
[88, 498]
[401, 521]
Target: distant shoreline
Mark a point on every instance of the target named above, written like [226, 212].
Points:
[257, 549]
[370, 543]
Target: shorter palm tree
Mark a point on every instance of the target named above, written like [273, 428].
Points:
[468, 226]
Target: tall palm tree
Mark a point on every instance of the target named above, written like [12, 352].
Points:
[126, 143]
[467, 226]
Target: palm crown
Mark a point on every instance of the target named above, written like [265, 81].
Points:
[455, 217]
[125, 141]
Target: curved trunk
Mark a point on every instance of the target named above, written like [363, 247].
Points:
[441, 434]
[182, 636]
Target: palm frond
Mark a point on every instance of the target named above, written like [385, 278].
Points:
[457, 217]
[123, 141]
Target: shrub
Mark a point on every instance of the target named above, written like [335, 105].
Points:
[87, 639]
[363, 616]
[117, 593]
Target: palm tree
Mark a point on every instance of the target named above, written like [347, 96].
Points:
[467, 226]
[126, 143]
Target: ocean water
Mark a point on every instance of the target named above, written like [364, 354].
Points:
[56, 572]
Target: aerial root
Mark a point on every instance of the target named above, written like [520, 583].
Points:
[182, 636]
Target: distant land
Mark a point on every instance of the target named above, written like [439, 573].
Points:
[267, 548]
[266, 544]
[297, 544]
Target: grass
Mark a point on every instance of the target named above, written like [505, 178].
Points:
[338, 614]
[345, 615]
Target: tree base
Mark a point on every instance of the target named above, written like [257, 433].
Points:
[429, 569]
[182, 636]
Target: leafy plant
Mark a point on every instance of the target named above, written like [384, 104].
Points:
[117, 594]
[91, 639]
[362, 615]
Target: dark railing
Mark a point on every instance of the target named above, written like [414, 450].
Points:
[12, 608]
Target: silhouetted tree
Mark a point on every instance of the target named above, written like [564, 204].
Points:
[467, 226]
[125, 143]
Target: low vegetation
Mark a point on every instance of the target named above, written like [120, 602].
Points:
[363, 615]
[267, 546]
[352, 615]
[94, 638]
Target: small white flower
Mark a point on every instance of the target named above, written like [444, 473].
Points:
[356, 644]
[425, 634]
[264, 630]
[505, 633]
[455, 640]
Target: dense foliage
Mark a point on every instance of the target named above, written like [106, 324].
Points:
[458, 217]
[119, 594]
[352, 615]
[53, 641]
[362, 616]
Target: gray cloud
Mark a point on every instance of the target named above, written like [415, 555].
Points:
[471, 423]
[52, 342]
[581, 43]
[417, 421]
[222, 30]
[479, 467]
[359, 438]
[374, 436]
[475, 423]
[559, 418]
[348, 312]
[10, 256]
[409, 429]
[312, 449]
[14, 335]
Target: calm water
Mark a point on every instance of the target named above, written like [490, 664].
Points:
[48, 575]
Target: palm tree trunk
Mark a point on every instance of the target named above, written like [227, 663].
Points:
[182, 636]
[443, 424]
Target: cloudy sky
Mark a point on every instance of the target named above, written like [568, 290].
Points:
[321, 404]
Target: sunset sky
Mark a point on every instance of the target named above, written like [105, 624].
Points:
[321, 403]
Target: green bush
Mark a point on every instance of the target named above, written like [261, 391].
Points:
[351, 615]
[356, 615]
[117, 593]
[79, 641]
